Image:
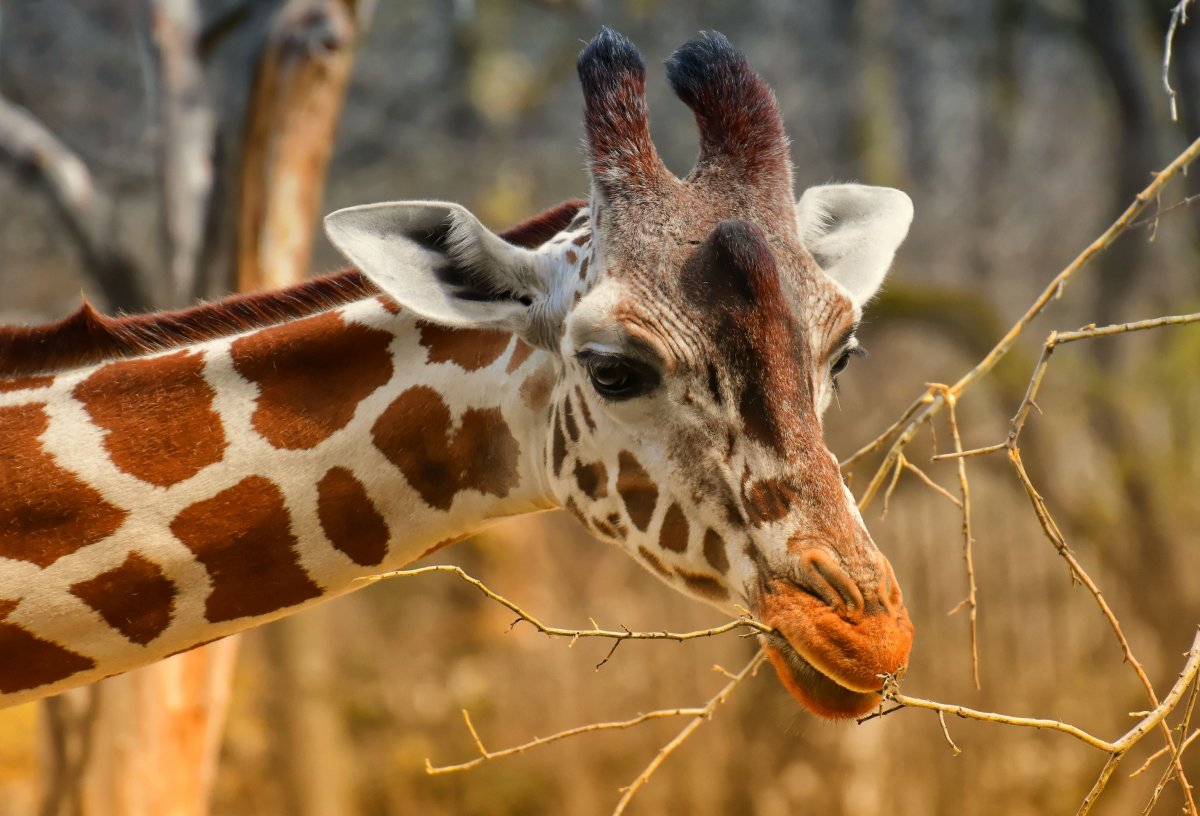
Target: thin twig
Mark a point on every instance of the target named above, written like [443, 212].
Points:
[1054, 534]
[1119, 746]
[866, 450]
[486, 755]
[1175, 759]
[887, 494]
[1183, 746]
[968, 539]
[901, 432]
[1178, 17]
[1152, 220]
[946, 731]
[664, 752]
[969, 453]
[745, 622]
[920, 474]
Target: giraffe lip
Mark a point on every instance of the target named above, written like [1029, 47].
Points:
[817, 691]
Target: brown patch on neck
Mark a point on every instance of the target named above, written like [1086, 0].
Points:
[243, 537]
[350, 519]
[674, 533]
[157, 415]
[445, 542]
[415, 434]
[536, 388]
[714, 552]
[520, 353]
[569, 419]
[46, 512]
[137, 599]
[469, 349]
[592, 479]
[583, 409]
[704, 585]
[311, 375]
[654, 561]
[29, 661]
[24, 383]
[558, 447]
[636, 489]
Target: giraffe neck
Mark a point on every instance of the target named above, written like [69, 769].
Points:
[152, 504]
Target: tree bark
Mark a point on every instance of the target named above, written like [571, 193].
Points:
[142, 744]
[298, 92]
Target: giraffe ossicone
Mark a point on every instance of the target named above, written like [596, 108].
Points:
[656, 360]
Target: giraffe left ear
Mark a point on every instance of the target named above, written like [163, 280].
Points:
[853, 232]
[436, 259]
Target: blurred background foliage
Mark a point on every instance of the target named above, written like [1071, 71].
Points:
[1019, 127]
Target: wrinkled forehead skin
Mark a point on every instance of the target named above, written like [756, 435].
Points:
[712, 273]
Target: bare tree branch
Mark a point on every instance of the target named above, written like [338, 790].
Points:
[1178, 18]
[932, 401]
[1151, 719]
[745, 622]
[485, 755]
[86, 211]
[185, 146]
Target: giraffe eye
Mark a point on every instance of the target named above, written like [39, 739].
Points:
[618, 378]
[843, 360]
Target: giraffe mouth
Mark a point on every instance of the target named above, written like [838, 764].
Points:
[817, 691]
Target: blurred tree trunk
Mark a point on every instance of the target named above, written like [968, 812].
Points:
[299, 87]
[141, 744]
[309, 747]
[146, 743]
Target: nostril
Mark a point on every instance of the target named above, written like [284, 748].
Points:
[824, 577]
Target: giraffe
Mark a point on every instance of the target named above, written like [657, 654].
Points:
[656, 360]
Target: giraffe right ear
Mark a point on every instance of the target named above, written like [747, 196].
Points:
[437, 260]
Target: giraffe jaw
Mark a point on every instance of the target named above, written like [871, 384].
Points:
[817, 691]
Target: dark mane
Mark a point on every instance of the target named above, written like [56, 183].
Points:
[87, 337]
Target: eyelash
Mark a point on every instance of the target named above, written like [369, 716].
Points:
[843, 359]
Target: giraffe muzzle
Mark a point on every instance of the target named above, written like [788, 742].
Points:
[837, 637]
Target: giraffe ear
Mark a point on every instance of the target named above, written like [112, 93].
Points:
[853, 232]
[437, 260]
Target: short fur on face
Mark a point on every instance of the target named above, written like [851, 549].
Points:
[691, 331]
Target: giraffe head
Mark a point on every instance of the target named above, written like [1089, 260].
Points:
[693, 330]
